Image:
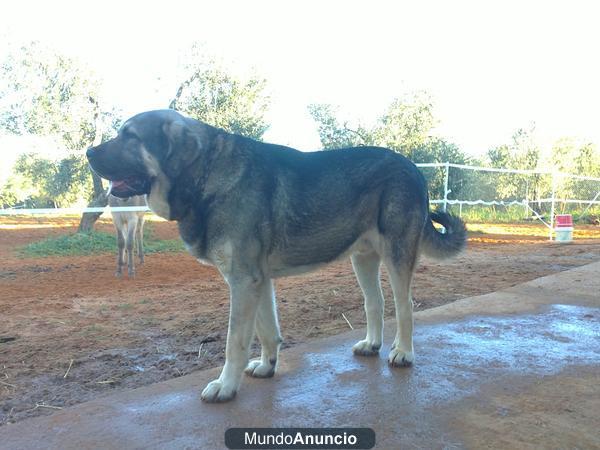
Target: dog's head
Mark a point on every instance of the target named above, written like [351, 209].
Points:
[149, 153]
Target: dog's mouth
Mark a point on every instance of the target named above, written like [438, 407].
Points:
[130, 186]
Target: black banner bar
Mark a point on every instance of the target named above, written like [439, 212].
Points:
[299, 438]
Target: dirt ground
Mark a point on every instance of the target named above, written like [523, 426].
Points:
[70, 331]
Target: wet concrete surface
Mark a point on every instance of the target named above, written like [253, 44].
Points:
[518, 368]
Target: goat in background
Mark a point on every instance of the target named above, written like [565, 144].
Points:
[130, 231]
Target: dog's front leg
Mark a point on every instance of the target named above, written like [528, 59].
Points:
[245, 294]
[267, 330]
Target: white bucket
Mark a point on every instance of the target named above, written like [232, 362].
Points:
[563, 234]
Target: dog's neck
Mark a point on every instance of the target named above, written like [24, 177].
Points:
[190, 190]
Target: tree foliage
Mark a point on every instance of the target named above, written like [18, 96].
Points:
[211, 94]
[335, 134]
[405, 127]
[587, 160]
[48, 94]
[52, 183]
[406, 124]
[522, 153]
[566, 155]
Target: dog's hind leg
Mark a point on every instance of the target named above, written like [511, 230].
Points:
[401, 230]
[400, 271]
[246, 292]
[267, 330]
[366, 268]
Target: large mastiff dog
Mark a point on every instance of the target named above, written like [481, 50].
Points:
[258, 211]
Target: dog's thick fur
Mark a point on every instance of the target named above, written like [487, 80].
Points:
[259, 211]
[129, 226]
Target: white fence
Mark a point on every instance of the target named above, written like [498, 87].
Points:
[539, 193]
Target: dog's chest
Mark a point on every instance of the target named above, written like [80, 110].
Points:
[192, 235]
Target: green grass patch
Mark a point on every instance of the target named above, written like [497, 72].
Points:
[93, 243]
[518, 214]
[493, 214]
[125, 306]
[91, 330]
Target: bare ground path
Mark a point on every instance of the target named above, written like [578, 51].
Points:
[516, 368]
[171, 320]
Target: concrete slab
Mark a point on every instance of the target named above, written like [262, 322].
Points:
[518, 368]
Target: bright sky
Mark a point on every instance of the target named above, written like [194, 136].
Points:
[491, 67]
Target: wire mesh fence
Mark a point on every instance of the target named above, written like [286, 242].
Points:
[506, 195]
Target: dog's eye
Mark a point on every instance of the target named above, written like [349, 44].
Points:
[126, 134]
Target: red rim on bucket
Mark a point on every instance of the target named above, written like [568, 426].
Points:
[564, 220]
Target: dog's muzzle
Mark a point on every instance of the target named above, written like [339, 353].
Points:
[122, 184]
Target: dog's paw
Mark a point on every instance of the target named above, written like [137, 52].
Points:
[118, 274]
[217, 392]
[401, 358]
[258, 370]
[366, 348]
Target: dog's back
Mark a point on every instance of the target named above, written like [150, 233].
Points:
[129, 226]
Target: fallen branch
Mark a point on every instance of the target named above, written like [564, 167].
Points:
[308, 331]
[7, 384]
[106, 382]
[67, 372]
[348, 322]
[41, 405]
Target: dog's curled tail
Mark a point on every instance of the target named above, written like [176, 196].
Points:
[444, 245]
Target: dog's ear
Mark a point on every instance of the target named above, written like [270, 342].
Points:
[184, 147]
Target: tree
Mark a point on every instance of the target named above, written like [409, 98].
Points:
[404, 127]
[566, 155]
[570, 156]
[522, 153]
[49, 94]
[212, 95]
[587, 161]
[438, 150]
[17, 190]
[334, 134]
[406, 124]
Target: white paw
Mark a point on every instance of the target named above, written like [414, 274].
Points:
[366, 348]
[217, 392]
[401, 358]
[258, 370]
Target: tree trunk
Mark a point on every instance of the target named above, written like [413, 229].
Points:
[182, 86]
[100, 199]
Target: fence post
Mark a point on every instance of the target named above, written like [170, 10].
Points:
[446, 186]
[526, 201]
[552, 204]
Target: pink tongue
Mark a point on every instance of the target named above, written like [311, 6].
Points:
[117, 184]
